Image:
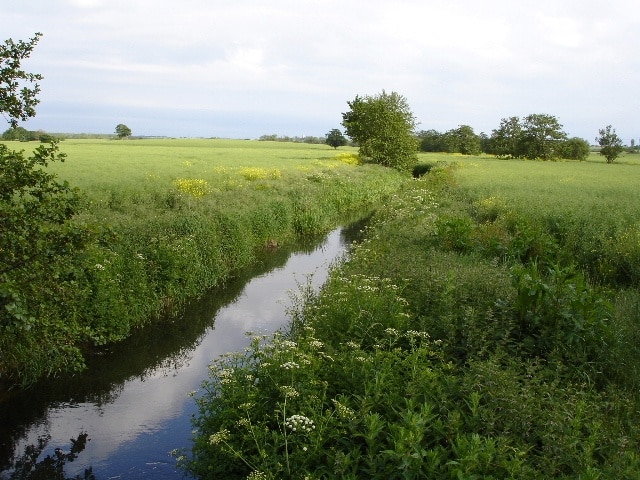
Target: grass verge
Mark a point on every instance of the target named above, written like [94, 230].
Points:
[451, 344]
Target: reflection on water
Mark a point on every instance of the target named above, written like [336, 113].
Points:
[131, 408]
[31, 465]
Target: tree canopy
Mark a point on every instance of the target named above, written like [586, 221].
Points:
[335, 138]
[37, 237]
[17, 99]
[122, 131]
[383, 127]
[610, 144]
[536, 136]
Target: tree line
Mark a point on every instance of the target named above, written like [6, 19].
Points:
[383, 127]
[536, 136]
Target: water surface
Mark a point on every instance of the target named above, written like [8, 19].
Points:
[122, 417]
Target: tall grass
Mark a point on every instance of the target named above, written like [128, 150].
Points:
[171, 219]
[458, 341]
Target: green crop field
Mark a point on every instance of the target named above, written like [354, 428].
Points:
[487, 328]
[170, 219]
[544, 188]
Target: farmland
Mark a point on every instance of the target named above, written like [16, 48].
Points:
[487, 328]
[170, 219]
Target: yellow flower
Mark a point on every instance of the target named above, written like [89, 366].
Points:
[196, 187]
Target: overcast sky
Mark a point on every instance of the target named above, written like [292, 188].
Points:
[243, 68]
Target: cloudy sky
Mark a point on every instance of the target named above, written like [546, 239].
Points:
[243, 68]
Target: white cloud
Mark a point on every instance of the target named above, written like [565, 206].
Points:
[457, 62]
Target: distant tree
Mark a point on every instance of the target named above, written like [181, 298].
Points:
[535, 136]
[610, 144]
[464, 140]
[431, 141]
[575, 149]
[268, 138]
[122, 131]
[335, 138]
[18, 133]
[505, 140]
[17, 100]
[485, 143]
[541, 137]
[383, 126]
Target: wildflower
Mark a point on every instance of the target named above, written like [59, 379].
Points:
[288, 344]
[417, 334]
[316, 344]
[392, 332]
[220, 437]
[300, 423]
[256, 475]
[343, 411]
[290, 365]
[289, 392]
[243, 422]
[99, 266]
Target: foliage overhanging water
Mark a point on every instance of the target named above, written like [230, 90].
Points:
[122, 417]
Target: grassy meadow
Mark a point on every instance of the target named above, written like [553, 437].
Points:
[171, 219]
[486, 328]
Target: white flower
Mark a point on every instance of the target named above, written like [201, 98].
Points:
[299, 423]
[219, 437]
[289, 392]
[290, 365]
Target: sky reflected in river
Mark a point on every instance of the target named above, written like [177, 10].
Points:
[133, 427]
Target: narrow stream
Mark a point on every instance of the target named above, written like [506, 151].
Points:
[123, 416]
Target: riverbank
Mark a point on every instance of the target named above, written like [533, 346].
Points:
[132, 405]
[170, 220]
[458, 341]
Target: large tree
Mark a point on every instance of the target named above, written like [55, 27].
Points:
[536, 136]
[18, 89]
[122, 131]
[464, 140]
[383, 126]
[505, 140]
[610, 143]
[335, 138]
[37, 236]
[542, 136]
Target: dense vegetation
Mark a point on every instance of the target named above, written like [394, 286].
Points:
[536, 136]
[487, 328]
[167, 220]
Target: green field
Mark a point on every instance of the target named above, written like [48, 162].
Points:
[487, 328]
[170, 219]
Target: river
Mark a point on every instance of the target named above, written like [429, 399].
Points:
[122, 417]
